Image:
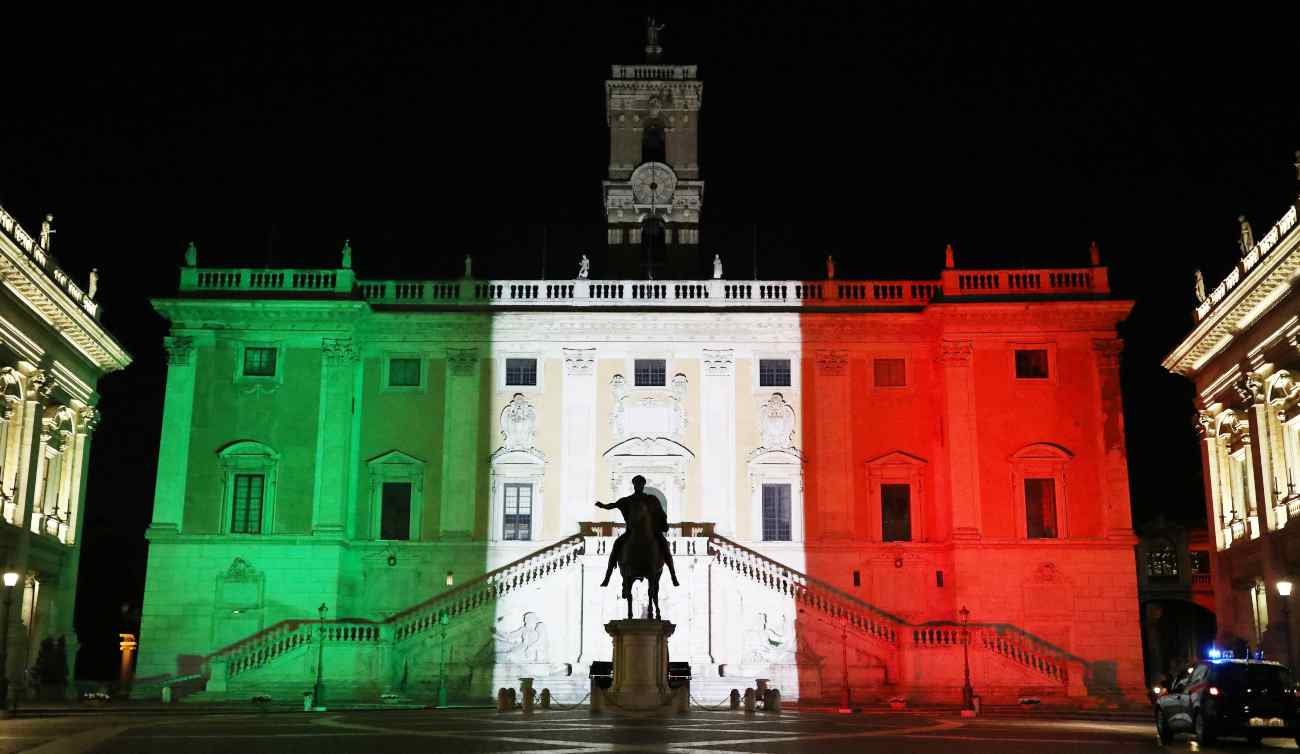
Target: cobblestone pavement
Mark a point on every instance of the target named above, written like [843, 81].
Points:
[577, 732]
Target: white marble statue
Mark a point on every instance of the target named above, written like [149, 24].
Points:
[1247, 240]
[47, 230]
[469, 263]
[94, 284]
[347, 254]
[1200, 287]
[717, 266]
[830, 267]
[191, 255]
[584, 268]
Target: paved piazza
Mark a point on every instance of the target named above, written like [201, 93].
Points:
[473, 731]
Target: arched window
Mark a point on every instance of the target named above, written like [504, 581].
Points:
[248, 492]
[654, 145]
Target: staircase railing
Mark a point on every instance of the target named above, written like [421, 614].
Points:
[288, 635]
[488, 587]
[814, 593]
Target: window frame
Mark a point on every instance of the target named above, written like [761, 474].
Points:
[1052, 369]
[241, 458]
[636, 383]
[386, 376]
[898, 467]
[762, 514]
[499, 379]
[907, 371]
[789, 366]
[516, 467]
[273, 380]
[1051, 485]
[505, 368]
[1041, 461]
[796, 378]
[234, 494]
[903, 486]
[395, 466]
[776, 467]
[532, 496]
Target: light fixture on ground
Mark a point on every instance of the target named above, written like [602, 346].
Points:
[1284, 591]
[10, 581]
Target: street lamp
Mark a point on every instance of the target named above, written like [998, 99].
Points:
[318, 693]
[10, 581]
[443, 620]
[967, 693]
[1284, 591]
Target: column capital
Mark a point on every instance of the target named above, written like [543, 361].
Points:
[955, 353]
[1250, 389]
[1204, 424]
[462, 361]
[832, 363]
[338, 351]
[179, 348]
[719, 362]
[39, 386]
[88, 419]
[579, 361]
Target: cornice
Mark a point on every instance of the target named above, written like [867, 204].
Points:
[257, 314]
[32, 286]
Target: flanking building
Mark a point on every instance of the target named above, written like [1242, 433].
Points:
[53, 352]
[861, 475]
[1244, 360]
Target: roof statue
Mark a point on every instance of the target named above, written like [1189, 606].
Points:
[717, 266]
[584, 267]
[347, 254]
[948, 257]
[1297, 164]
[47, 230]
[1094, 254]
[1247, 240]
[191, 255]
[469, 267]
[652, 48]
[1200, 287]
[94, 284]
[830, 267]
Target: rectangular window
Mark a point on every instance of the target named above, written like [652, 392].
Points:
[395, 511]
[403, 372]
[246, 504]
[776, 513]
[774, 373]
[521, 371]
[651, 372]
[1040, 508]
[890, 372]
[259, 362]
[518, 523]
[1031, 363]
[896, 512]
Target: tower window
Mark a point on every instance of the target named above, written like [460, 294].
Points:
[650, 372]
[1031, 363]
[653, 144]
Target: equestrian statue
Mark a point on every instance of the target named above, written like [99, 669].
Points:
[642, 551]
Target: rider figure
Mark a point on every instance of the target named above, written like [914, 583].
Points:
[625, 506]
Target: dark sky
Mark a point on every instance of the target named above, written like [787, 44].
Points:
[878, 132]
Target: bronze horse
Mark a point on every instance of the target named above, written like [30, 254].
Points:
[641, 552]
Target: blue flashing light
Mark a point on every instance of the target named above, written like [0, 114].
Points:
[1214, 653]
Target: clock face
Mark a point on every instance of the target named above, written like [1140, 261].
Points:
[653, 183]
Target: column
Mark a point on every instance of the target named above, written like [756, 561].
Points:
[718, 439]
[832, 475]
[1214, 504]
[963, 460]
[334, 437]
[1117, 517]
[87, 420]
[1251, 391]
[35, 397]
[461, 459]
[174, 445]
[578, 429]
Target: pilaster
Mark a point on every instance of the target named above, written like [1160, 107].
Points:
[174, 445]
[718, 439]
[334, 437]
[461, 458]
[1116, 513]
[831, 464]
[959, 408]
[25, 483]
[578, 428]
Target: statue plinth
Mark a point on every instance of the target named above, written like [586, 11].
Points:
[640, 663]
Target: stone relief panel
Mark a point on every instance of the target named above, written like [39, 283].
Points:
[519, 424]
[653, 415]
[777, 424]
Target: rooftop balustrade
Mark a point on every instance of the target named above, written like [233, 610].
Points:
[638, 294]
[33, 250]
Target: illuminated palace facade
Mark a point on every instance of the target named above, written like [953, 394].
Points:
[1244, 358]
[53, 351]
[846, 465]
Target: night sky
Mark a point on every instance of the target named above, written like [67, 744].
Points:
[877, 133]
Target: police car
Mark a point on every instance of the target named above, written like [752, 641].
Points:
[1225, 696]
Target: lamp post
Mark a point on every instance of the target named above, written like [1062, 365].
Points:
[10, 581]
[1284, 591]
[967, 693]
[318, 692]
[443, 620]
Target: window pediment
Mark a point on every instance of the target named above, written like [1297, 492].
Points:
[650, 446]
[896, 458]
[1042, 451]
[247, 452]
[393, 458]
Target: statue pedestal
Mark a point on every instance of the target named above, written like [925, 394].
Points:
[640, 663]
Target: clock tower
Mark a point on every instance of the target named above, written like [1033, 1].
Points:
[653, 192]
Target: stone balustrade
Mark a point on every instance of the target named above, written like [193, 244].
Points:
[652, 72]
[38, 255]
[639, 294]
[286, 636]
